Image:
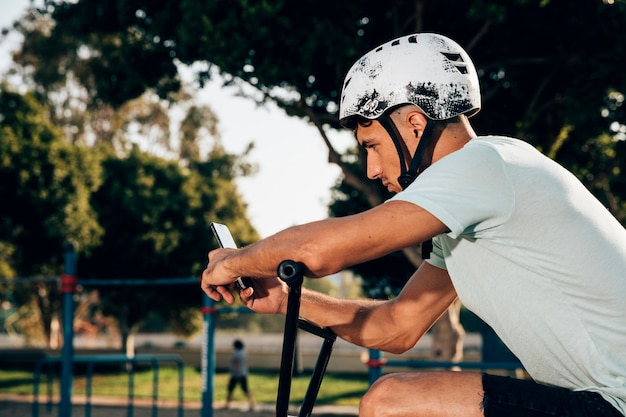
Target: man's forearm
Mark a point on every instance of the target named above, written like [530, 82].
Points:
[327, 246]
[363, 322]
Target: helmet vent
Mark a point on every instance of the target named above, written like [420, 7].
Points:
[457, 61]
[397, 42]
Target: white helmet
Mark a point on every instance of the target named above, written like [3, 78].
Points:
[425, 69]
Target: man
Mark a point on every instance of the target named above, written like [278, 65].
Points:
[516, 237]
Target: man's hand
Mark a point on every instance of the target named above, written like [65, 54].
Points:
[216, 272]
[267, 295]
[217, 281]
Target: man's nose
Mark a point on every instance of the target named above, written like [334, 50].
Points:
[373, 170]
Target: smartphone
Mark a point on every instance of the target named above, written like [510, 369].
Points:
[225, 240]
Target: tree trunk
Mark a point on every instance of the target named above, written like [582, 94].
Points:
[44, 300]
[55, 340]
[448, 335]
[125, 331]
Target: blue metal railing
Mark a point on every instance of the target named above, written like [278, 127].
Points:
[377, 362]
[92, 360]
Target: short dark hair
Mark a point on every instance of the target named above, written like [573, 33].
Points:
[353, 122]
[238, 344]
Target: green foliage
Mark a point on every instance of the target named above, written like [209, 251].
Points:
[46, 185]
[543, 74]
[136, 216]
[6, 254]
[143, 208]
[156, 219]
[127, 61]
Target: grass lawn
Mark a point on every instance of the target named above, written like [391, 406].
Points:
[336, 389]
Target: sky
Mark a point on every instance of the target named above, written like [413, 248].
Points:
[293, 182]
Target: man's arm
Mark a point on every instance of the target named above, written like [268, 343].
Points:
[393, 326]
[327, 246]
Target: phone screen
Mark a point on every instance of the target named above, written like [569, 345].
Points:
[223, 236]
[225, 240]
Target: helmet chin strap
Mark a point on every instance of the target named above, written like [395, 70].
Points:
[407, 176]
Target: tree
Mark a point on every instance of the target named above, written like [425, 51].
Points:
[156, 219]
[541, 78]
[203, 186]
[45, 185]
[139, 216]
[558, 86]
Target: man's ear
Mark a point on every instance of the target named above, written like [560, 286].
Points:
[417, 122]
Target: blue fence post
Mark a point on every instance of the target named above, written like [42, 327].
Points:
[375, 365]
[68, 289]
[208, 354]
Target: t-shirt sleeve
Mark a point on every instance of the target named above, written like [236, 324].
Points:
[469, 190]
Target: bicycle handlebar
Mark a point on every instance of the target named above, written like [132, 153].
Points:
[291, 272]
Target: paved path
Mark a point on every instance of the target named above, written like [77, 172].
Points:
[22, 406]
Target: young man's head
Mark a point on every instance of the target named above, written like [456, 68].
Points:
[403, 89]
[382, 154]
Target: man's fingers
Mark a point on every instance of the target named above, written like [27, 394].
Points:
[246, 295]
[225, 293]
[212, 292]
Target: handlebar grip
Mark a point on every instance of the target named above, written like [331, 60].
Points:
[290, 272]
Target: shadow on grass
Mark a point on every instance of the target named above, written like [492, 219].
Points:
[15, 382]
[331, 399]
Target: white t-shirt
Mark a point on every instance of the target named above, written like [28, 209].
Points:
[537, 257]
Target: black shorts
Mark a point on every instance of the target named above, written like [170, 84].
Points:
[510, 397]
[241, 380]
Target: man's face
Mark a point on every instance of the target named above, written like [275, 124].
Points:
[383, 162]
